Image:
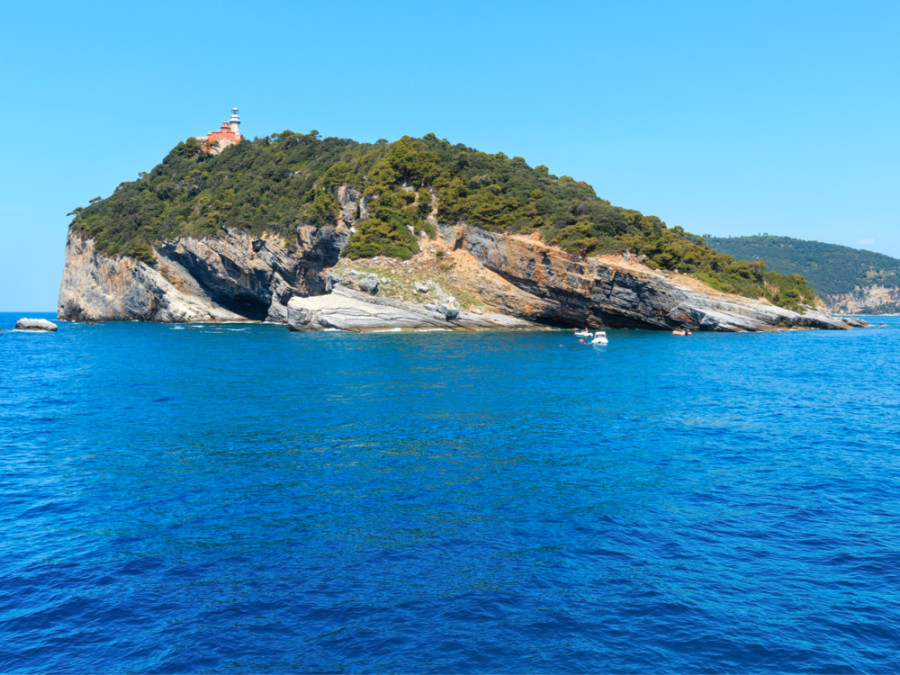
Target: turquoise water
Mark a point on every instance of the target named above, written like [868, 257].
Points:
[238, 498]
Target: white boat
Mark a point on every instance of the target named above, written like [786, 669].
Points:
[599, 338]
[583, 333]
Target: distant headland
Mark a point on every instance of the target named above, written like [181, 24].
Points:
[849, 280]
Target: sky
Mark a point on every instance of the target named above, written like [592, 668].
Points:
[726, 118]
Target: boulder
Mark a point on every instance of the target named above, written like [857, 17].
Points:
[369, 284]
[36, 325]
[331, 281]
[449, 309]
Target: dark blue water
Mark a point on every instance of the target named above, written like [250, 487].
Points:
[239, 498]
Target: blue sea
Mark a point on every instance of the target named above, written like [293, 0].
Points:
[239, 498]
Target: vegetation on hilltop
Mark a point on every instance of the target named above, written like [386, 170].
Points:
[829, 268]
[278, 182]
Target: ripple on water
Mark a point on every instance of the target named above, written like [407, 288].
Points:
[240, 498]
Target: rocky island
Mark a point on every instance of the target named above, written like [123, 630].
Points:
[36, 325]
[416, 234]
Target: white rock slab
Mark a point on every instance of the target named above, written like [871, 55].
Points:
[36, 325]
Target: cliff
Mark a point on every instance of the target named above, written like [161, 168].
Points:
[873, 298]
[616, 291]
[234, 277]
[494, 279]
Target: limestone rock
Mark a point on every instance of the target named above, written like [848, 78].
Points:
[231, 277]
[36, 325]
[519, 279]
[331, 281]
[369, 284]
[346, 309]
[349, 200]
[449, 309]
[549, 285]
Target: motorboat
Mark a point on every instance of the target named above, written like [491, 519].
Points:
[681, 331]
[599, 338]
[583, 333]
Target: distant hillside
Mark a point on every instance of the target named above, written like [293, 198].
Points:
[848, 279]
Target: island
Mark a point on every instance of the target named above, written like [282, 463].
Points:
[319, 233]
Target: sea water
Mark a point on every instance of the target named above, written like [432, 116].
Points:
[240, 498]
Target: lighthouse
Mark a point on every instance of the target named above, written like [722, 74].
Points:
[235, 122]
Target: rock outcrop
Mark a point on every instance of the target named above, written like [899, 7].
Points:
[557, 288]
[508, 281]
[346, 309]
[36, 325]
[233, 277]
[872, 299]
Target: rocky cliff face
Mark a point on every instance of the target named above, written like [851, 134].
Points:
[874, 299]
[234, 277]
[615, 292]
[237, 277]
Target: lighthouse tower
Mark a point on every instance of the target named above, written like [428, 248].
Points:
[235, 122]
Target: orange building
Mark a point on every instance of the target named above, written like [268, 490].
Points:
[230, 134]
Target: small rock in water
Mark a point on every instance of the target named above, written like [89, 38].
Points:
[36, 325]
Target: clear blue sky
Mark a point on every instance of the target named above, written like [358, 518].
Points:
[728, 118]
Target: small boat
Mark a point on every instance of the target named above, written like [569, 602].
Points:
[583, 333]
[681, 331]
[599, 338]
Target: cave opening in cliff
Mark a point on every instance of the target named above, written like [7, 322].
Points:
[598, 321]
[247, 306]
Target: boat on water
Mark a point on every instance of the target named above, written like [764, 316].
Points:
[681, 331]
[598, 338]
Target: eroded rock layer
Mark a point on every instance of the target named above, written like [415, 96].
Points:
[234, 277]
[495, 280]
[615, 291]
